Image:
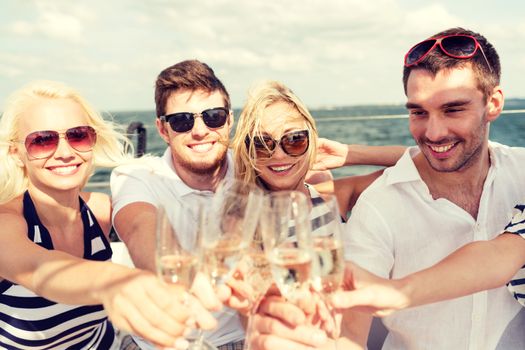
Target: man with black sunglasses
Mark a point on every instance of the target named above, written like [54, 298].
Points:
[194, 118]
[455, 187]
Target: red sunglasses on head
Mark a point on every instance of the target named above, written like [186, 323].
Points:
[459, 46]
[42, 144]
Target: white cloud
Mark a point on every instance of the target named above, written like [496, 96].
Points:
[429, 19]
[230, 57]
[55, 20]
[61, 26]
[291, 63]
[14, 65]
[336, 51]
[9, 72]
[81, 65]
[22, 28]
[143, 19]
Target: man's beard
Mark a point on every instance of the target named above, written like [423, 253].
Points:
[469, 156]
[202, 168]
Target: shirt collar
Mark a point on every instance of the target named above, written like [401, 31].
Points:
[405, 170]
[495, 161]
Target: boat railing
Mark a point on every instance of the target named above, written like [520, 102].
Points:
[136, 132]
[138, 129]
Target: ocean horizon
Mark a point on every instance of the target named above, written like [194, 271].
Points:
[382, 124]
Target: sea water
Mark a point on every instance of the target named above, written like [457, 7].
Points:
[371, 125]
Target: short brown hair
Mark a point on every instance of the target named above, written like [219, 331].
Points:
[436, 60]
[187, 75]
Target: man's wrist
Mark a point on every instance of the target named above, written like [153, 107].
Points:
[351, 151]
[406, 287]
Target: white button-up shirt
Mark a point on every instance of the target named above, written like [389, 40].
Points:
[155, 181]
[397, 228]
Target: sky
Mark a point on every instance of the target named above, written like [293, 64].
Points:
[330, 52]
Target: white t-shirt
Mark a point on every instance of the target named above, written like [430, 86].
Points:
[156, 182]
[397, 228]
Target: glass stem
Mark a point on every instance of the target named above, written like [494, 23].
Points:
[332, 312]
[251, 314]
[200, 338]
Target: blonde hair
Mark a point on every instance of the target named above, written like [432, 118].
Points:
[249, 125]
[112, 148]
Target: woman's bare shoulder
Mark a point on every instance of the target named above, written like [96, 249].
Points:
[14, 207]
[12, 217]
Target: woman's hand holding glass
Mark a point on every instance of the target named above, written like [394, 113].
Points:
[285, 230]
[252, 277]
[304, 246]
[141, 304]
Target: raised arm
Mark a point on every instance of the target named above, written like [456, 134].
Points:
[135, 224]
[332, 154]
[475, 267]
[135, 300]
[347, 189]
[374, 155]
[134, 203]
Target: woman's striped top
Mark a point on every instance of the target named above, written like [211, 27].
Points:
[28, 321]
[319, 216]
[517, 226]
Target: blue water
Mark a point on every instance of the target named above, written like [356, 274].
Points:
[372, 125]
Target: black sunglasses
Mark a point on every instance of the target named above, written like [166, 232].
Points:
[293, 143]
[184, 121]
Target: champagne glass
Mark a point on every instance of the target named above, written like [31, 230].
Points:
[328, 267]
[228, 227]
[178, 252]
[303, 242]
[280, 249]
[256, 269]
[328, 262]
[287, 241]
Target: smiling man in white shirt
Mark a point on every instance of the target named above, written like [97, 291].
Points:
[454, 188]
[194, 118]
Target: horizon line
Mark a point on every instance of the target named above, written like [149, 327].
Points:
[318, 108]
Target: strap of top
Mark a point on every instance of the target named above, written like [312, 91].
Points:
[96, 246]
[36, 232]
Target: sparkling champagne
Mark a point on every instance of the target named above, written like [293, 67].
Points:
[258, 273]
[330, 264]
[291, 268]
[180, 269]
[220, 259]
